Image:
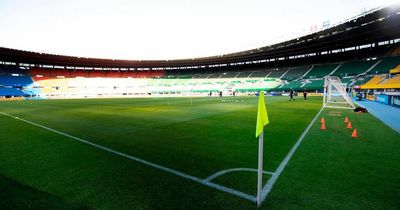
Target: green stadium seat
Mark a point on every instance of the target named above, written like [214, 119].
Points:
[353, 68]
[385, 65]
[296, 85]
[229, 74]
[314, 84]
[244, 74]
[277, 73]
[259, 74]
[296, 72]
[320, 71]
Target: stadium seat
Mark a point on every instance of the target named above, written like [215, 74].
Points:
[382, 82]
[79, 73]
[353, 68]
[230, 74]
[320, 71]
[295, 85]
[244, 74]
[386, 65]
[15, 82]
[9, 92]
[39, 73]
[296, 72]
[317, 84]
[277, 73]
[362, 80]
[113, 74]
[374, 82]
[96, 74]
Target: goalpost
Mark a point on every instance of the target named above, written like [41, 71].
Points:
[335, 95]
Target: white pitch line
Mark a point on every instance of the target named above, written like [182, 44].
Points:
[162, 168]
[268, 187]
[220, 173]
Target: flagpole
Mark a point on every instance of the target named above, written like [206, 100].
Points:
[262, 120]
[260, 167]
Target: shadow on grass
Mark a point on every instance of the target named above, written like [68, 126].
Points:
[14, 195]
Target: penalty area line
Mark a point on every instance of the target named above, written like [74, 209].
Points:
[268, 187]
[145, 162]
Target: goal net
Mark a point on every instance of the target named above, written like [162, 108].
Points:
[335, 95]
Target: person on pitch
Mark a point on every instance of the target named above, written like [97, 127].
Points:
[291, 93]
[305, 94]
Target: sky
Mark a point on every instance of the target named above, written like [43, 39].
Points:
[163, 29]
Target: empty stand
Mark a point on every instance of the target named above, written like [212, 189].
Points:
[244, 74]
[38, 72]
[8, 70]
[295, 85]
[382, 82]
[277, 73]
[386, 65]
[319, 71]
[149, 74]
[296, 72]
[15, 82]
[9, 92]
[362, 80]
[112, 74]
[96, 74]
[125, 74]
[256, 74]
[353, 68]
[347, 80]
[200, 76]
[229, 74]
[393, 82]
[79, 73]
[314, 84]
[58, 73]
[372, 83]
[214, 76]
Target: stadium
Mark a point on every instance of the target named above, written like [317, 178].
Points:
[108, 133]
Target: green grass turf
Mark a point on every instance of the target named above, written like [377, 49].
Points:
[40, 168]
[332, 170]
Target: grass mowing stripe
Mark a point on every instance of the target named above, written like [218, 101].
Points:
[153, 133]
[169, 170]
[268, 187]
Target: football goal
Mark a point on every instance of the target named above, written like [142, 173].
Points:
[335, 95]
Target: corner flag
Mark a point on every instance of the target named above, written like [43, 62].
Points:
[262, 115]
[262, 120]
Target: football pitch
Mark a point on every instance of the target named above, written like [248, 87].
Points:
[192, 153]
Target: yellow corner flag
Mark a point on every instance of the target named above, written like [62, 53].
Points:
[262, 115]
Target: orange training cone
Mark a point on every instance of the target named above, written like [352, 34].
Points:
[354, 135]
[323, 121]
[323, 127]
[346, 120]
[349, 126]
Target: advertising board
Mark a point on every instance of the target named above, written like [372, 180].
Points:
[381, 98]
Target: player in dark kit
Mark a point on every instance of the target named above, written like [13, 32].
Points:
[305, 95]
[291, 95]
